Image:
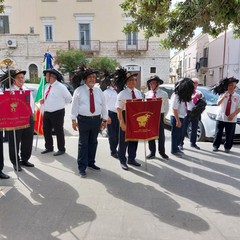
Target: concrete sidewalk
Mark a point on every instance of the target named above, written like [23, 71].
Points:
[192, 198]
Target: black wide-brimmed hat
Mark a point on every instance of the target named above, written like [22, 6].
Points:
[129, 75]
[87, 72]
[55, 72]
[222, 85]
[4, 80]
[154, 78]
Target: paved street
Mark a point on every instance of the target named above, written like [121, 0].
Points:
[192, 198]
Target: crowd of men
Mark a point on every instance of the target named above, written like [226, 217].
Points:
[93, 109]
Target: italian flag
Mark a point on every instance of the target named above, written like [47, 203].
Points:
[38, 125]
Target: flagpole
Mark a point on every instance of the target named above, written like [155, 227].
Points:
[42, 94]
[145, 154]
[8, 63]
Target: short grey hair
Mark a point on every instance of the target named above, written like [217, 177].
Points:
[195, 79]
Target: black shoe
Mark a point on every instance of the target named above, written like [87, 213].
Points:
[150, 156]
[94, 167]
[178, 154]
[124, 166]
[19, 168]
[195, 146]
[164, 155]
[181, 147]
[215, 149]
[26, 164]
[46, 151]
[3, 175]
[227, 150]
[58, 153]
[115, 155]
[134, 163]
[83, 173]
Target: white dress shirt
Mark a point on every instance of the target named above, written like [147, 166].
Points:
[160, 94]
[176, 105]
[110, 95]
[81, 103]
[222, 108]
[57, 98]
[124, 95]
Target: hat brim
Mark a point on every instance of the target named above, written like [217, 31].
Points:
[56, 73]
[21, 72]
[159, 81]
[89, 73]
[132, 75]
[232, 80]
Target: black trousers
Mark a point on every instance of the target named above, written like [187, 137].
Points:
[193, 137]
[161, 139]
[129, 146]
[113, 132]
[54, 120]
[229, 131]
[1, 151]
[24, 142]
[89, 128]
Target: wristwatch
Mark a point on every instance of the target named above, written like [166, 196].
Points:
[104, 120]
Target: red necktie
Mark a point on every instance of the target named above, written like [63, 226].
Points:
[228, 107]
[20, 89]
[133, 95]
[154, 95]
[49, 88]
[92, 105]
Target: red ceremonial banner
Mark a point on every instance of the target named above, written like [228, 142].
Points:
[15, 109]
[142, 120]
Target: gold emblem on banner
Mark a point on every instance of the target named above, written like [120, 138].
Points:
[142, 120]
[13, 106]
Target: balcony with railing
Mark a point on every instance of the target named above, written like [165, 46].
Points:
[136, 46]
[90, 46]
[203, 62]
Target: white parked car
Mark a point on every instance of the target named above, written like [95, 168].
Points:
[206, 126]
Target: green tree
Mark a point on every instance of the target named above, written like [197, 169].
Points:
[104, 64]
[1, 6]
[155, 17]
[70, 60]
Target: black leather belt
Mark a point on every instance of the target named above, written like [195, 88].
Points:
[89, 117]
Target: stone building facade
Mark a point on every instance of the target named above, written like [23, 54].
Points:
[81, 24]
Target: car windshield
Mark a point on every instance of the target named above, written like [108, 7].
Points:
[209, 96]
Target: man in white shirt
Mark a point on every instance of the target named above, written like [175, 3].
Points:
[229, 107]
[56, 96]
[154, 93]
[24, 137]
[110, 95]
[129, 93]
[88, 114]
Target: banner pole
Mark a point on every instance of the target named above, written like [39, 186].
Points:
[145, 154]
[15, 149]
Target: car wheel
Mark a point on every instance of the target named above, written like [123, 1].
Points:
[200, 132]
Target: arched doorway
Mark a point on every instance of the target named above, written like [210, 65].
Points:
[33, 73]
